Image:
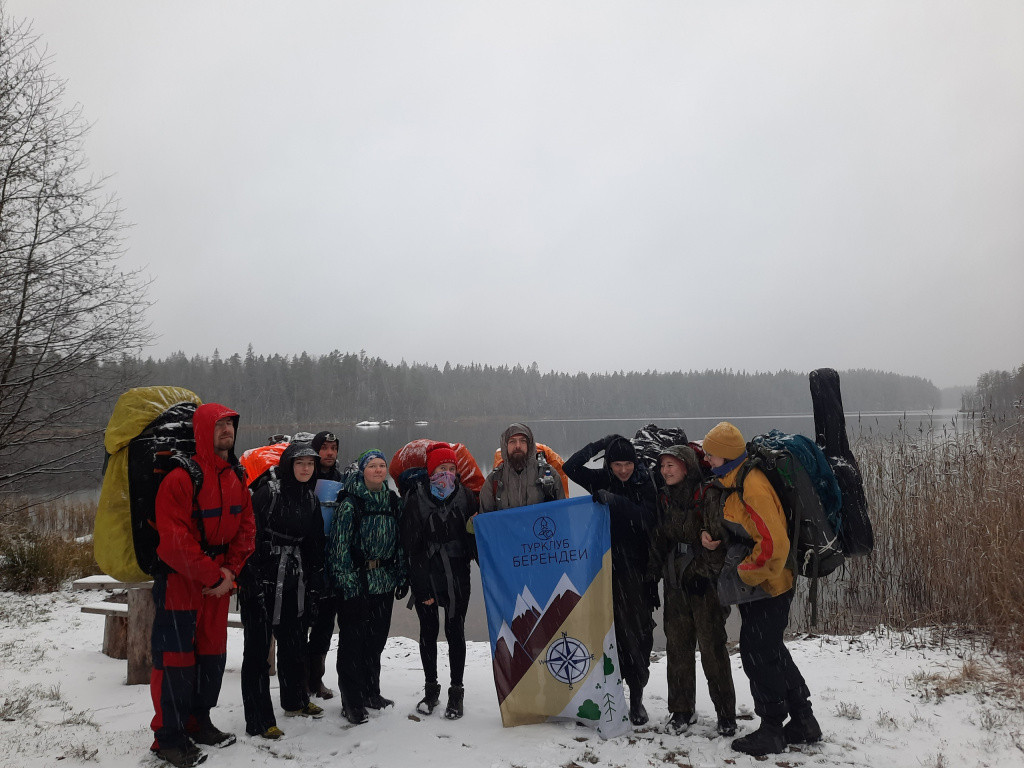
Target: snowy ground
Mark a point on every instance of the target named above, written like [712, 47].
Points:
[882, 701]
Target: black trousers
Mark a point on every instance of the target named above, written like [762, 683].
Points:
[364, 623]
[292, 661]
[320, 638]
[774, 678]
[454, 633]
[634, 627]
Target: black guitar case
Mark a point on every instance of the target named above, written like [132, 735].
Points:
[830, 432]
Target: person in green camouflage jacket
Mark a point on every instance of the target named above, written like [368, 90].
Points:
[367, 567]
[693, 615]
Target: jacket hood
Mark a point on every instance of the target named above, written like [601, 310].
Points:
[518, 429]
[205, 417]
[694, 476]
[286, 467]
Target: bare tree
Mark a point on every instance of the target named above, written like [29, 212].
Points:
[68, 312]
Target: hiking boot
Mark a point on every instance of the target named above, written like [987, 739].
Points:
[680, 723]
[355, 715]
[323, 692]
[726, 726]
[182, 757]
[376, 701]
[273, 732]
[768, 739]
[431, 698]
[210, 735]
[318, 666]
[310, 710]
[802, 728]
[637, 711]
[453, 710]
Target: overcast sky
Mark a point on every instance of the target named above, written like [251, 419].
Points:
[589, 185]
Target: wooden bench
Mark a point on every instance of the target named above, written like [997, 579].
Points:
[128, 631]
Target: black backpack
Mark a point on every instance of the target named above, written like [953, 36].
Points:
[168, 442]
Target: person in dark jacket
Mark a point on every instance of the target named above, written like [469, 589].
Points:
[693, 614]
[280, 589]
[367, 567]
[327, 446]
[628, 490]
[439, 549]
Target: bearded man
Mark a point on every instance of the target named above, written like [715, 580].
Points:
[521, 478]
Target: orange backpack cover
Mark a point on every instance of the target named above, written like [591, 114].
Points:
[414, 454]
[552, 458]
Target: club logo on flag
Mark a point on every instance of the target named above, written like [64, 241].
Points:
[555, 657]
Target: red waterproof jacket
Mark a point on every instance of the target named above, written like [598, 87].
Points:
[225, 506]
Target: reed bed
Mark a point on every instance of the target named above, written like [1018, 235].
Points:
[45, 545]
[947, 508]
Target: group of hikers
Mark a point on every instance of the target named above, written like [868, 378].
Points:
[302, 566]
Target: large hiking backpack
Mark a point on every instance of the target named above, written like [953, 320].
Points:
[814, 546]
[148, 435]
[413, 455]
[651, 440]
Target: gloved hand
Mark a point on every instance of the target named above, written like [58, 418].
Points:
[600, 496]
[653, 598]
[401, 591]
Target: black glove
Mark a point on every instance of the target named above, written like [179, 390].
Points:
[401, 591]
[600, 496]
[653, 598]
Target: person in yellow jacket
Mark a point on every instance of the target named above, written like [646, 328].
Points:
[758, 579]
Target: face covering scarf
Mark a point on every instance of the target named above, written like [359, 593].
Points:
[442, 484]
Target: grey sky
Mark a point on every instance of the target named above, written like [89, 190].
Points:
[588, 185]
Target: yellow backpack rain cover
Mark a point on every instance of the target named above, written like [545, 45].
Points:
[113, 538]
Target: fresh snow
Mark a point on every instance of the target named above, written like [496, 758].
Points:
[878, 698]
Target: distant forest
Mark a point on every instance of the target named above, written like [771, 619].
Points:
[341, 387]
[997, 391]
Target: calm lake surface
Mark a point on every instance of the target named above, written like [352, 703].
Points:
[568, 436]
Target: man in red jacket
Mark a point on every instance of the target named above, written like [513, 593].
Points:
[205, 539]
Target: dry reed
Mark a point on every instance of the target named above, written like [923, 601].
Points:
[947, 510]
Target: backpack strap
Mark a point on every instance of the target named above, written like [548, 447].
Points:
[195, 473]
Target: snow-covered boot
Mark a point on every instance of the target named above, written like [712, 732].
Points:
[680, 723]
[802, 727]
[637, 711]
[431, 698]
[206, 733]
[185, 756]
[453, 711]
[317, 669]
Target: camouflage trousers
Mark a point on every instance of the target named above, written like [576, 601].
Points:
[693, 621]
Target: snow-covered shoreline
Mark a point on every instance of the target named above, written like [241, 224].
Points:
[881, 702]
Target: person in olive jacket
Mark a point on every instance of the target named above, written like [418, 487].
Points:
[693, 615]
[280, 587]
[626, 486]
[367, 568]
[439, 549]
